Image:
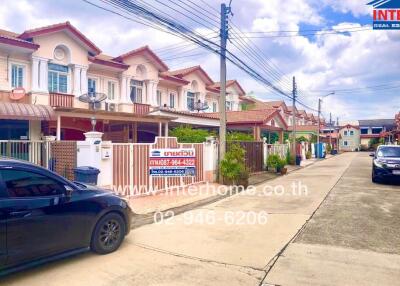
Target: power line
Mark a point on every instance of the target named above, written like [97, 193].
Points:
[302, 35]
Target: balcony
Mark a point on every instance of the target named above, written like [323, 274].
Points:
[61, 100]
[140, 108]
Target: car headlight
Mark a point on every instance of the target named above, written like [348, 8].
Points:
[379, 163]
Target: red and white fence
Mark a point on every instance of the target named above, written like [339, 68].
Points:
[131, 170]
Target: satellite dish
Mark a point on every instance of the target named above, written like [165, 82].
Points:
[93, 98]
[200, 106]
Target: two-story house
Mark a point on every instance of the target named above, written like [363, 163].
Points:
[374, 129]
[349, 138]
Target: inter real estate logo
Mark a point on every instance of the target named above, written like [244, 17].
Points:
[386, 14]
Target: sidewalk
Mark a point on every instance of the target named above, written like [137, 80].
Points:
[262, 177]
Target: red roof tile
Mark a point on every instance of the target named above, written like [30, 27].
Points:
[184, 72]
[144, 50]
[229, 83]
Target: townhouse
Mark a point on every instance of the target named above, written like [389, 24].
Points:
[47, 73]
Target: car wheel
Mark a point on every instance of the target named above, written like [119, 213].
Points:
[108, 234]
[374, 178]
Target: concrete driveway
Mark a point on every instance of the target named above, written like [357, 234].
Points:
[202, 253]
[353, 238]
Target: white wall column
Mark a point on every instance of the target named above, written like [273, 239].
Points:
[166, 129]
[84, 80]
[35, 74]
[58, 135]
[77, 80]
[151, 92]
[43, 75]
[182, 99]
[123, 87]
[160, 129]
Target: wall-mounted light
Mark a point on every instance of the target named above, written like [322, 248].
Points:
[93, 121]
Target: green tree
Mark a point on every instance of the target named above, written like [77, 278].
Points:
[186, 134]
[239, 136]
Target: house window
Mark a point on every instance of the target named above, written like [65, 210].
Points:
[111, 90]
[58, 78]
[377, 130]
[214, 107]
[136, 91]
[228, 105]
[345, 143]
[351, 133]
[172, 100]
[345, 133]
[159, 98]
[17, 76]
[190, 100]
[364, 130]
[91, 85]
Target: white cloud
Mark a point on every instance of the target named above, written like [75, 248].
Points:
[328, 62]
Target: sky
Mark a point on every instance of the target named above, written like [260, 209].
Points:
[362, 67]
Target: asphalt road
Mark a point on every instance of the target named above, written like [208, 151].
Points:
[217, 245]
[353, 238]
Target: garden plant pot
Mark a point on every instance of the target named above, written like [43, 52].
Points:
[283, 171]
[278, 169]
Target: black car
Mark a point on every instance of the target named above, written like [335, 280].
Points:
[45, 217]
[386, 163]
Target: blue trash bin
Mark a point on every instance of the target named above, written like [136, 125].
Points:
[86, 175]
[298, 160]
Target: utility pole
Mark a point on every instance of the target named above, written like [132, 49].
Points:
[294, 94]
[338, 128]
[319, 125]
[222, 97]
[330, 129]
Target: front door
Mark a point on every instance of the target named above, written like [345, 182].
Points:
[39, 222]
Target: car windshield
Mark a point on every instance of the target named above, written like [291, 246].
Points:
[389, 152]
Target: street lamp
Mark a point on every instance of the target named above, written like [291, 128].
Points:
[319, 119]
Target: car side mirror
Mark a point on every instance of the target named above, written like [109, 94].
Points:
[372, 154]
[68, 192]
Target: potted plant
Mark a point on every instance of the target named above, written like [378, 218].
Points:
[232, 167]
[282, 165]
[273, 162]
[308, 155]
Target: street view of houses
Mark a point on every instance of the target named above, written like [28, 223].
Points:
[199, 142]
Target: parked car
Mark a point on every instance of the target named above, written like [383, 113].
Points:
[386, 163]
[44, 217]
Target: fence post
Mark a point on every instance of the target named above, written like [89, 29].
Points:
[210, 159]
[265, 153]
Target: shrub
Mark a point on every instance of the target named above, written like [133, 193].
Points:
[232, 167]
[187, 134]
[308, 155]
[273, 161]
[239, 136]
[328, 148]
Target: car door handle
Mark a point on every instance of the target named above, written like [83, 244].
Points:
[20, 214]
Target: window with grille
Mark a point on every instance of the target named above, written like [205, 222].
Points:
[136, 91]
[58, 78]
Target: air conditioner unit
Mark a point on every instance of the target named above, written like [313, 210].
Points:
[110, 107]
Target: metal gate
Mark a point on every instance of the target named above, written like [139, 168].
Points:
[254, 157]
[131, 167]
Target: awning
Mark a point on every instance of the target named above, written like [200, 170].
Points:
[23, 111]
